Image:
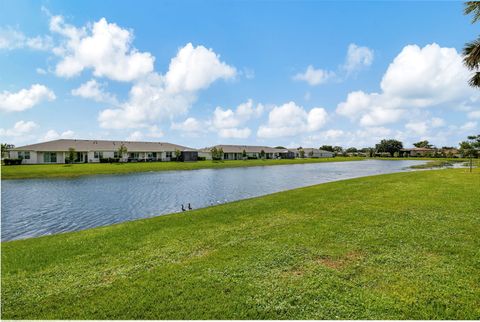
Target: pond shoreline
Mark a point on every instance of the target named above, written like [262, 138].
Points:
[63, 171]
[49, 206]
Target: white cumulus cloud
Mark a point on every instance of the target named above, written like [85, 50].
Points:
[162, 97]
[291, 119]
[229, 123]
[54, 135]
[195, 68]
[190, 125]
[94, 90]
[11, 38]
[25, 98]
[418, 78]
[103, 47]
[19, 129]
[358, 57]
[235, 133]
[314, 76]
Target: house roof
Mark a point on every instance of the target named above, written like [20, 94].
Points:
[308, 150]
[247, 148]
[101, 145]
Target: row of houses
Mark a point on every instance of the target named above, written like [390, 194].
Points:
[92, 151]
[426, 152]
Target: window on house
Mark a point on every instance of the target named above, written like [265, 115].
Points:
[49, 157]
[27, 155]
[115, 154]
[21, 155]
[169, 154]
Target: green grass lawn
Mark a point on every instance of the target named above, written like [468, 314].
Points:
[398, 246]
[76, 170]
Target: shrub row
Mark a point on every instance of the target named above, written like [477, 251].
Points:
[12, 161]
[109, 160]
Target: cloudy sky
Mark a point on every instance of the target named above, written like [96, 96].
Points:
[203, 73]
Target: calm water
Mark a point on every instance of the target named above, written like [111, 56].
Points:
[47, 206]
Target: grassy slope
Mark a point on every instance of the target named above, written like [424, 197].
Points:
[76, 170]
[399, 246]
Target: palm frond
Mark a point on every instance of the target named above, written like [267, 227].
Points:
[471, 54]
[474, 81]
[472, 7]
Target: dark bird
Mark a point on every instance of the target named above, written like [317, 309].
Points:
[183, 209]
[189, 207]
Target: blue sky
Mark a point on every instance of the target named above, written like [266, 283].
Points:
[203, 73]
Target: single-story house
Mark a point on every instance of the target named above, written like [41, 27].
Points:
[57, 151]
[236, 152]
[417, 152]
[312, 153]
[451, 152]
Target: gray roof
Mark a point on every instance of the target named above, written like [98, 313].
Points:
[102, 145]
[247, 148]
[308, 150]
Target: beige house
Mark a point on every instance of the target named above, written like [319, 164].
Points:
[313, 153]
[95, 150]
[418, 152]
[235, 152]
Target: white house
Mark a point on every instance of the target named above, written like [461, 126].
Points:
[94, 150]
[236, 152]
[313, 153]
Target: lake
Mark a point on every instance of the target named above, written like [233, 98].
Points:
[36, 207]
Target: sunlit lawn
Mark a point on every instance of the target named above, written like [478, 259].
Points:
[398, 246]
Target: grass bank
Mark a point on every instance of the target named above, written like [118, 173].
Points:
[398, 246]
[442, 163]
[84, 169]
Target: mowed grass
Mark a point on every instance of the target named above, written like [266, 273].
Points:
[397, 246]
[83, 169]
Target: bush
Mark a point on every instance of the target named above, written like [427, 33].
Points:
[109, 160]
[201, 158]
[12, 161]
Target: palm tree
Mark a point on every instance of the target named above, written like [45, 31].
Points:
[471, 51]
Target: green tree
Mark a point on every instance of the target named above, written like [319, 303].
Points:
[338, 150]
[6, 149]
[122, 150]
[178, 154]
[389, 146]
[301, 152]
[262, 154]
[310, 154]
[71, 155]
[244, 154]
[471, 51]
[423, 144]
[369, 152]
[352, 150]
[327, 148]
[470, 148]
[217, 154]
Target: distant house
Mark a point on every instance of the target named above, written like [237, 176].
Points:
[451, 152]
[418, 152]
[235, 152]
[95, 150]
[312, 153]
